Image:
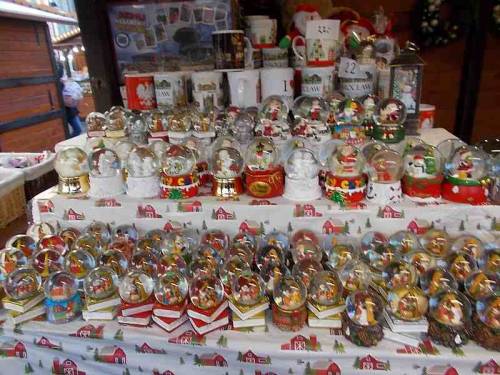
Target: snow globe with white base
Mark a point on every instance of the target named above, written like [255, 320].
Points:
[106, 179]
[385, 169]
[302, 181]
[143, 173]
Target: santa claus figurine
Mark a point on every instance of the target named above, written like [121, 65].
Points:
[303, 13]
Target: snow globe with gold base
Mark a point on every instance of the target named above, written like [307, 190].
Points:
[72, 167]
[227, 166]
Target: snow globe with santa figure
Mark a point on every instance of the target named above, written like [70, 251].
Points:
[345, 182]
[106, 179]
[248, 300]
[289, 311]
[117, 122]
[201, 154]
[96, 125]
[170, 291]
[466, 175]
[264, 176]
[449, 318]
[348, 125]
[206, 293]
[362, 318]
[385, 170]
[302, 181]
[389, 119]
[143, 173]
[310, 116]
[179, 179]
[324, 300]
[272, 120]
[62, 300]
[227, 167]
[72, 167]
[486, 322]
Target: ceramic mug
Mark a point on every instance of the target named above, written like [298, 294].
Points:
[275, 57]
[206, 83]
[277, 81]
[244, 88]
[317, 81]
[263, 33]
[170, 89]
[232, 50]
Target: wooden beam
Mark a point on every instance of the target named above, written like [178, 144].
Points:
[94, 26]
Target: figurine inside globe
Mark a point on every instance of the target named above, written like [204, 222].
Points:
[136, 287]
[437, 279]
[289, 293]
[350, 112]
[22, 284]
[232, 267]
[178, 161]
[173, 262]
[71, 162]
[278, 239]
[347, 161]
[461, 265]
[311, 108]
[468, 244]
[325, 288]
[146, 261]
[142, 163]
[47, 261]
[468, 163]
[60, 285]
[177, 243]
[261, 155]
[227, 163]
[100, 283]
[269, 254]
[404, 242]
[436, 242]
[480, 285]
[488, 310]
[180, 122]
[306, 249]
[302, 165]
[399, 273]
[206, 291]
[156, 121]
[171, 288]
[371, 148]
[117, 117]
[385, 166]
[104, 162]
[305, 270]
[407, 303]
[423, 161]
[10, 259]
[364, 308]
[79, 263]
[390, 111]
[22, 242]
[226, 141]
[273, 108]
[115, 260]
[96, 122]
[422, 260]
[450, 308]
[355, 276]
[341, 254]
[248, 288]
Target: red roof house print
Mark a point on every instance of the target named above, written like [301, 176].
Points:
[222, 214]
[189, 337]
[13, 348]
[300, 342]
[425, 347]
[66, 367]
[45, 206]
[213, 359]
[251, 357]
[73, 215]
[371, 363]
[112, 354]
[390, 213]
[249, 226]
[325, 368]
[166, 372]
[418, 226]
[145, 348]
[147, 211]
[194, 206]
[89, 331]
[107, 202]
[441, 370]
[306, 210]
[172, 226]
[45, 343]
[490, 367]
[333, 226]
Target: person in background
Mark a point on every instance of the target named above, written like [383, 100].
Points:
[72, 94]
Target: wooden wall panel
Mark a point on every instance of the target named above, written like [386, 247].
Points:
[34, 138]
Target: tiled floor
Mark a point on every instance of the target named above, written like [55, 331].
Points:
[18, 226]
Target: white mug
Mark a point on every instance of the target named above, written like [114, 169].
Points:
[263, 33]
[275, 57]
[358, 87]
[317, 81]
[277, 81]
[170, 88]
[244, 88]
[208, 82]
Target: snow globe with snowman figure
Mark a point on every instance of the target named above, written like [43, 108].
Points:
[302, 181]
[179, 178]
[385, 170]
[389, 119]
[227, 166]
[72, 167]
[143, 173]
[106, 179]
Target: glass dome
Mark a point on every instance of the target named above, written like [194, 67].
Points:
[350, 112]
[325, 288]
[422, 260]
[123, 150]
[100, 283]
[423, 161]
[47, 261]
[326, 150]
[371, 148]
[126, 232]
[117, 118]
[269, 254]
[22, 284]
[142, 162]
[95, 122]
[436, 242]
[104, 162]
[23, 242]
[341, 254]
[215, 238]
[10, 260]
[450, 308]
[261, 155]
[178, 160]
[436, 279]
[385, 166]
[60, 285]
[488, 312]
[305, 270]
[206, 291]
[398, 274]
[408, 303]
[273, 108]
[470, 245]
[156, 120]
[279, 239]
[448, 147]
[69, 236]
[227, 162]
[232, 267]
[173, 262]
[136, 123]
[248, 288]
[461, 265]
[364, 308]
[468, 163]
[289, 293]
[71, 162]
[89, 242]
[145, 261]
[291, 145]
[79, 263]
[306, 249]
[180, 122]
[355, 276]
[404, 242]
[136, 287]
[225, 141]
[311, 108]
[372, 240]
[348, 161]
[158, 147]
[115, 260]
[53, 242]
[179, 243]
[490, 261]
[204, 265]
[171, 288]
[302, 165]
[390, 111]
[243, 128]
[271, 272]
[369, 103]
[479, 285]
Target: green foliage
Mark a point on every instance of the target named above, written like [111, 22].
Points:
[196, 360]
[175, 194]
[119, 335]
[28, 369]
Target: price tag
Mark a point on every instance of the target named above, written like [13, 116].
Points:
[323, 29]
[349, 68]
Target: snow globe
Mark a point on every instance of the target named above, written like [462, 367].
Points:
[436, 242]
[69, 236]
[79, 263]
[423, 173]
[269, 254]
[243, 128]
[305, 270]
[355, 276]
[145, 261]
[179, 179]
[245, 239]
[310, 116]
[178, 242]
[96, 234]
[205, 262]
[404, 242]
[158, 147]
[264, 176]
[96, 124]
[123, 150]
[47, 261]
[100, 287]
[385, 169]
[157, 122]
[227, 166]
[325, 300]
[480, 285]
[422, 260]
[486, 322]
[137, 128]
[436, 279]
[399, 273]
[306, 249]
[232, 267]
[171, 289]
[53, 242]
[279, 239]
[201, 154]
[117, 120]
[62, 300]
[206, 292]
[23, 242]
[346, 183]
[271, 272]
[469, 244]
[10, 260]
[341, 254]
[449, 318]
[461, 265]
[272, 120]
[23, 285]
[143, 169]
[289, 311]
[115, 260]
[302, 182]
[361, 320]
[172, 262]
[466, 176]
[203, 126]
[135, 288]
[216, 239]
[407, 306]
[369, 103]
[179, 127]
[72, 167]
[371, 148]
[106, 179]
[389, 118]
[248, 300]
[348, 125]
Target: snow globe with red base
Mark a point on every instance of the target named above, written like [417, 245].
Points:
[385, 169]
[466, 176]
[389, 119]
[248, 300]
[179, 179]
[143, 169]
[227, 167]
[423, 173]
[486, 322]
[302, 171]
[264, 176]
[289, 311]
[346, 182]
[170, 291]
[136, 293]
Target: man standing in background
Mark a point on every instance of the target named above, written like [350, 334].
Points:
[72, 94]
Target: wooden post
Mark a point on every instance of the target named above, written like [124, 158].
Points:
[94, 26]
